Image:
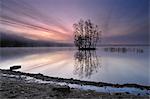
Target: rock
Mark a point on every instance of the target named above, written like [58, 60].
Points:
[127, 92]
[15, 67]
[138, 94]
[117, 93]
[63, 89]
[22, 92]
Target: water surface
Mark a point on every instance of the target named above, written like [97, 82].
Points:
[106, 64]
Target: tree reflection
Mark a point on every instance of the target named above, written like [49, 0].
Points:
[86, 63]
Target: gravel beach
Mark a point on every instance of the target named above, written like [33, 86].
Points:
[18, 87]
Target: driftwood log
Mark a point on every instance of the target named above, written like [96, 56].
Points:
[15, 67]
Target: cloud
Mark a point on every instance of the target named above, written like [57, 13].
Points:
[53, 19]
[19, 15]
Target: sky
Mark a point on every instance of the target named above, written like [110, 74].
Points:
[121, 21]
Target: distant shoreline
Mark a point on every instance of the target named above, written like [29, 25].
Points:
[75, 47]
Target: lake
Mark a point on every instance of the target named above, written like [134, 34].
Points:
[107, 64]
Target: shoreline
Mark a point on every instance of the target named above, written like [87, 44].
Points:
[71, 92]
[74, 81]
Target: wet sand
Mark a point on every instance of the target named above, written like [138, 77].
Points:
[19, 88]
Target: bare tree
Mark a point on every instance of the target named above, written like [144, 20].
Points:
[86, 34]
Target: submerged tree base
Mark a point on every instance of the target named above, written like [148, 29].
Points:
[86, 48]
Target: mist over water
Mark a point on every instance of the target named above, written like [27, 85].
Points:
[106, 64]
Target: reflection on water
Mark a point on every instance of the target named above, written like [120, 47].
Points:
[86, 63]
[121, 65]
[124, 50]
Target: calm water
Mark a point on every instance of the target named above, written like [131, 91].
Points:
[107, 64]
